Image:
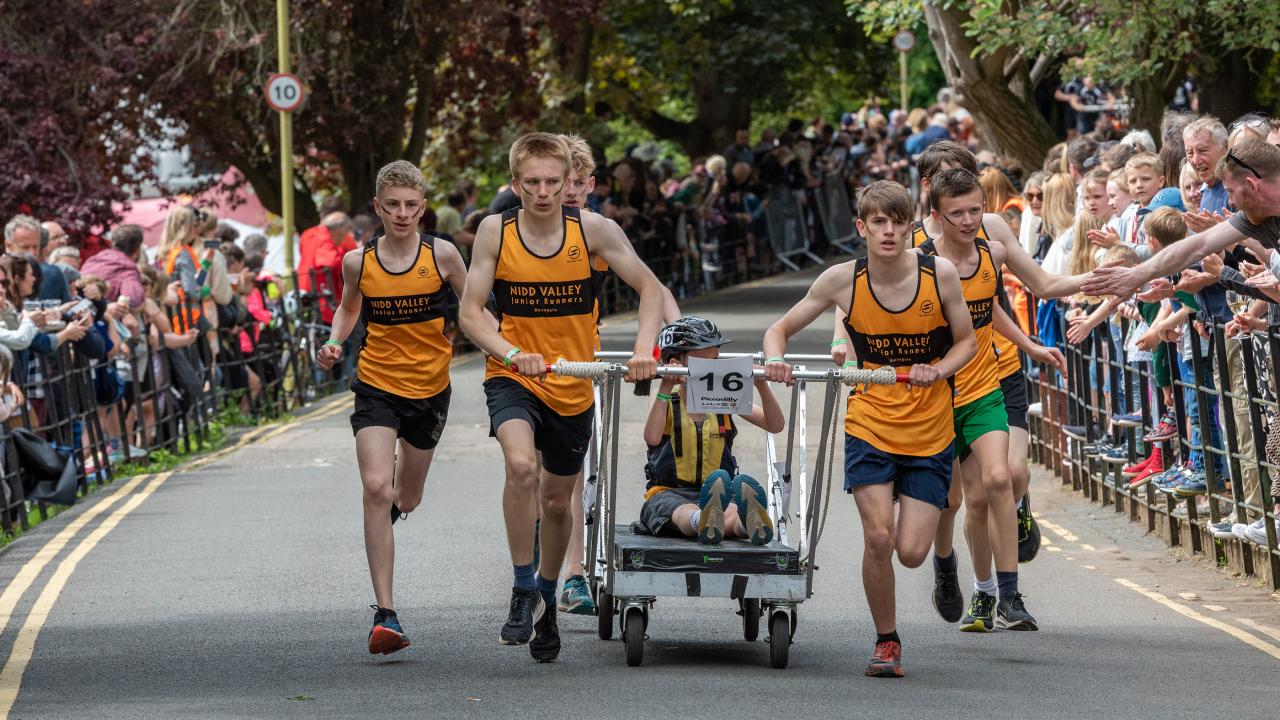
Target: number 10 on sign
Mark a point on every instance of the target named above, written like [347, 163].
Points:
[720, 386]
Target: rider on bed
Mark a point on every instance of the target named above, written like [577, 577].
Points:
[694, 489]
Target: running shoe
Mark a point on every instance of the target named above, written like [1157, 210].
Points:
[526, 605]
[1074, 431]
[887, 661]
[396, 514]
[713, 498]
[575, 598]
[1028, 534]
[1194, 484]
[1130, 420]
[1255, 532]
[981, 614]
[753, 510]
[947, 598]
[1011, 614]
[1143, 477]
[1166, 430]
[545, 645]
[1095, 449]
[386, 636]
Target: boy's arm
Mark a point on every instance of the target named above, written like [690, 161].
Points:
[635, 273]
[455, 273]
[1008, 251]
[1007, 327]
[1123, 281]
[829, 289]
[839, 341]
[954, 308]
[479, 286]
[344, 318]
[1084, 326]
[656, 422]
[767, 413]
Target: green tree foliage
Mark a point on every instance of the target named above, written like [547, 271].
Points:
[691, 71]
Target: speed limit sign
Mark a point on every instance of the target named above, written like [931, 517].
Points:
[284, 92]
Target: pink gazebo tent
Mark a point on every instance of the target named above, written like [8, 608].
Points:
[150, 213]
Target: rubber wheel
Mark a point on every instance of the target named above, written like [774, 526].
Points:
[634, 635]
[604, 615]
[779, 639]
[751, 619]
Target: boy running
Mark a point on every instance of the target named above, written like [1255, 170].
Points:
[400, 284]
[575, 596]
[536, 261]
[981, 420]
[904, 310]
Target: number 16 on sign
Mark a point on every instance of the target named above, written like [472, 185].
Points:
[720, 386]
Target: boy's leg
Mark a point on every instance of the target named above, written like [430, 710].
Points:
[875, 509]
[520, 491]
[411, 469]
[1019, 470]
[375, 455]
[990, 516]
[573, 563]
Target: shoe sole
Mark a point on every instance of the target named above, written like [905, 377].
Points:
[711, 521]
[533, 633]
[1021, 625]
[384, 641]
[884, 671]
[580, 608]
[755, 521]
[976, 626]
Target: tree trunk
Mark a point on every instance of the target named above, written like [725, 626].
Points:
[1231, 88]
[1003, 106]
[717, 114]
[1150, 96]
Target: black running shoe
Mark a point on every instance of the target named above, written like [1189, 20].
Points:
[545, 645]
[1028, 535]
[1011, 614]
[980, 617]
[386, 636]
[947, 598]
[526, 606]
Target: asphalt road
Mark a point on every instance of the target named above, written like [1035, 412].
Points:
[240, 590]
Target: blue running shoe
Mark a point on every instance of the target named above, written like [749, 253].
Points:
[386, 636]
[1194, 484]
[753, 510]
[575, 597]
[715, 495]
[1130, 420]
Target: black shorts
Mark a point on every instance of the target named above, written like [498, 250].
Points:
[561, 440]
[656, 512]
[1014, 388]
[419, 422]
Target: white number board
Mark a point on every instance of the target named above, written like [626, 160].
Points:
[720, 386]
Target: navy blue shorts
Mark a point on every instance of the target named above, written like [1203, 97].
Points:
[926, 479]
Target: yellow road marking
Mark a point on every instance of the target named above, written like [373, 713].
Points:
[1058, 530]
[1214, 608]
[1090, 567]
[24, 645]
[1235, 632]
[1086, 546]
[33, 567]
[1261, 628]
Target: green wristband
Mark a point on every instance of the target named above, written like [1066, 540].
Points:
[338, 343]
[849, 364]
[664, 397]
[510, 354]
[775, 359]
[841, 341]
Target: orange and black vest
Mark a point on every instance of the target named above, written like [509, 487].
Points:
[898, 418]
[189, 309]
[688, 453]
[1010, 361]
[547, 305]
[405, 351]
[980, 377]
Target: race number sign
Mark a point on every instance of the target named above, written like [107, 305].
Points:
[719, 386]
[284, 92]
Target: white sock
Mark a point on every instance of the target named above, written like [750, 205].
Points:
[989, 587]
[693, 521]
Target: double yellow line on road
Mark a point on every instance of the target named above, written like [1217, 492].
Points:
[24, 645]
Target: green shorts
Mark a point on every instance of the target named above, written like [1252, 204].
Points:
[978, 418]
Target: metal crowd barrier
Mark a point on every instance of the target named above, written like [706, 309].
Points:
[1100, 385]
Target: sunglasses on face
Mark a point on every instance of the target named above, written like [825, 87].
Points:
[1035, 196]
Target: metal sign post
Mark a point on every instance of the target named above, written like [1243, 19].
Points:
[904, 41]
[284, 93]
